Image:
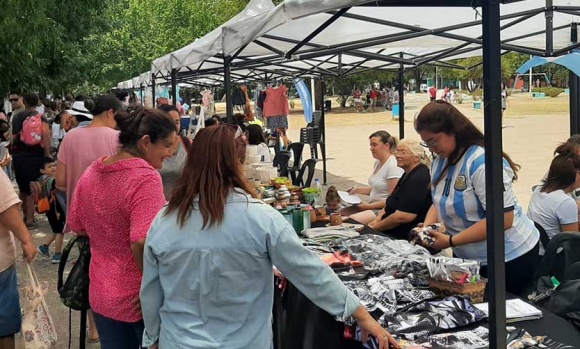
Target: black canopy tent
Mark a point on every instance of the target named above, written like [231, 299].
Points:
[285, 56]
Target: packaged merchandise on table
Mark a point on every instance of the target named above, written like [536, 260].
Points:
[424, 234]
[432, 316]
[453, 269]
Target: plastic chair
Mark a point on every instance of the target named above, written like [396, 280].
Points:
[310, 166]
[544, 237]
[296, 149]
[281, 160]
[560, 255]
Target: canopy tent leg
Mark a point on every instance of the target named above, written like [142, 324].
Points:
[322, 130]
[153, 99]
[401, 99]
[574, 86]
[494, 173]
[174, 86]
[228, 87]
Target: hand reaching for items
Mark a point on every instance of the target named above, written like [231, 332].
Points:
[368, 326]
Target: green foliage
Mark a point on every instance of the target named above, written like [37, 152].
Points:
[90, 45]
[549, 91]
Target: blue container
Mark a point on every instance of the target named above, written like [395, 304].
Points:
[567, 91]
[477, 105]
[185, 123]
[395, 111]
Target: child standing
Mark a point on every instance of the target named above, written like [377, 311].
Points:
[55, 214]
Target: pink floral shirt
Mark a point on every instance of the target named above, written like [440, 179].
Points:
[115, 205]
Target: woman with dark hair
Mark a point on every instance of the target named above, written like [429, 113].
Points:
[172, 165]
[114, 204]
[78, 149]
[458, 192]
[256, 138]
[551, 206]
[207, 278]
[382, 181]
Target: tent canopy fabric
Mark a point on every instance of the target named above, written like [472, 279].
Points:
[240, 28]
[570, 61]
[346, 36]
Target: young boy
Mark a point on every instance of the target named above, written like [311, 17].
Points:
[55, 215]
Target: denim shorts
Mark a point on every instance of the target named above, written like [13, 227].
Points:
[10, 315]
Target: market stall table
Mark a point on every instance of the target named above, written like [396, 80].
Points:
[298, 323]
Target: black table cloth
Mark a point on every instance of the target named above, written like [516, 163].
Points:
[299, 324]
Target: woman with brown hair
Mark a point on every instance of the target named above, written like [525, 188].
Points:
[458, 193]
[208, 280]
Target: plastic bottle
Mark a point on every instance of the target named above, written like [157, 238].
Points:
[318, 198]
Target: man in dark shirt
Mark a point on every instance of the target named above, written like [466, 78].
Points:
[27, 160]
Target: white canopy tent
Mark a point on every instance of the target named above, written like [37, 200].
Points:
[340, 37]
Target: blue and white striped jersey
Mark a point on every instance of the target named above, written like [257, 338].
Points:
[459, 198]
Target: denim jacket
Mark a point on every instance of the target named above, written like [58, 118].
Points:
[213, 287]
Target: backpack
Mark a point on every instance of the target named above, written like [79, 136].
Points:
[31, 133]
[74, 292]
[42, 195]
[561, 253]
[561, 300]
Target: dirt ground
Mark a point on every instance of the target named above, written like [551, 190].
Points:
[533, 127]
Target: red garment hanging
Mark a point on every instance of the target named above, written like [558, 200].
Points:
[276, 103]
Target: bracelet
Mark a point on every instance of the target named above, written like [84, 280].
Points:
[451, 241]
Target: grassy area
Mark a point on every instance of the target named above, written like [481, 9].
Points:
[520, 105]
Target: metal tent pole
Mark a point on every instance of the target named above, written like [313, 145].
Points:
[153, 91]
[228, 87]
[174, 86]
[401, 99]
[322, 130]
[549, 27]
[494, 174]
[574, 86]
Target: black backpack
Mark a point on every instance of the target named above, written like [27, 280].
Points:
[74, 292]
[561, 253]
[562, 300]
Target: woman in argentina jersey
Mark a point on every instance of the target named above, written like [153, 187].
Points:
[458, 191]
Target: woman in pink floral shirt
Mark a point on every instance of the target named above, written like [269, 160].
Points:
[114, 203]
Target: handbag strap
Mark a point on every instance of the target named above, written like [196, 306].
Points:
[63, 259]
[32, 275]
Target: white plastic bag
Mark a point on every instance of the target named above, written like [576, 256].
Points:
[38, 330]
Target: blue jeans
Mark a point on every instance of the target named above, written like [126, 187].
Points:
[10, 318]
[115, 334]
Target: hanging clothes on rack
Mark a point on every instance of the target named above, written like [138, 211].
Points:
[207, 102]
[247, 106]
[238, 99]
[276, 108]
[258, 107]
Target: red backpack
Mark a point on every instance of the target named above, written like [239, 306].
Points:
[31, 133]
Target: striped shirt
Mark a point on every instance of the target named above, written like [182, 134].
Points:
[459, 197]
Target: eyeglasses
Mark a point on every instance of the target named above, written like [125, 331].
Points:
[14, 99]
[239, 132]
[401, 152]
[429, 144]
